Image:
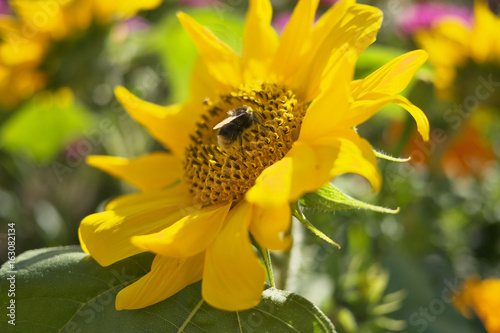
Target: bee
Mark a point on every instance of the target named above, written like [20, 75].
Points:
[232, 127]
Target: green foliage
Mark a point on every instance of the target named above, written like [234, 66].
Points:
[42, 127]
[63, 289]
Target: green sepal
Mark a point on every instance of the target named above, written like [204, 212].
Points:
[302, 219]
[328, 198]
[384, 156]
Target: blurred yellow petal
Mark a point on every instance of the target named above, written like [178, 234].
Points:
[221, 61]
[448, 47]
[170, 125]
[234, 277]
[391, 78]
[259, 41]
[148, 172]
[107, 235]
[106, 10]
[270, 227]
[188, 236]
[34, 16]
[167, 277]
[484, 38]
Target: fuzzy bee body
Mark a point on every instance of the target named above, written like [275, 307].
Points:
[232, 128]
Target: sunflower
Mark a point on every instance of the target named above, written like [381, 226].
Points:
[199, 203]
[452, 43]
[27, 37]
[483, 297]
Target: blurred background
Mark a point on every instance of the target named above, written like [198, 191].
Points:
[60, 63]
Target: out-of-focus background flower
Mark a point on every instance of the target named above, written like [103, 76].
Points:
[59, 63]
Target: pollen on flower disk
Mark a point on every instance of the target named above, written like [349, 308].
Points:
[216, 175]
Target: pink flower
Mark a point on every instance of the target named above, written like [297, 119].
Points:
[4, 7]
[424, 15]
[280, 21]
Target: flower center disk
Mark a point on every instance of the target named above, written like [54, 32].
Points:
[221, 168]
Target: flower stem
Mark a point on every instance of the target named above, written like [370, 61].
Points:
[269, 267]
[266, 255]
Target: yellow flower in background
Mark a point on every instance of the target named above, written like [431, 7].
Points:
[482, 297]
[293, 107]
[451, 43]
[28, 36]
[61, 18]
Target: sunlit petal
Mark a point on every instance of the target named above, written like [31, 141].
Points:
[188, 236]
[107, 235]
[233, 278]
[148, 172]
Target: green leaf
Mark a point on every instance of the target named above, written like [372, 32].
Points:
[64, 290]
[178, 52]
[328, 198]
[41, 128]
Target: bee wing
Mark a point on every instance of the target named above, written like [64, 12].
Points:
[225, 122]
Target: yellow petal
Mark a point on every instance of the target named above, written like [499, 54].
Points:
[201, 84]
[221, 61]
[272, 187]
[327, 109]
[328, 20]
[390, 79]
[106, 236]
[149, 172]
[170, 125]
[335, 41]
[288, 57]
[270, 225]
[364, 109]
[179, 191]
[354, 155]
[167, 277]
[234, 277]
[188, 236]
[305, 162]
[259, 40]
